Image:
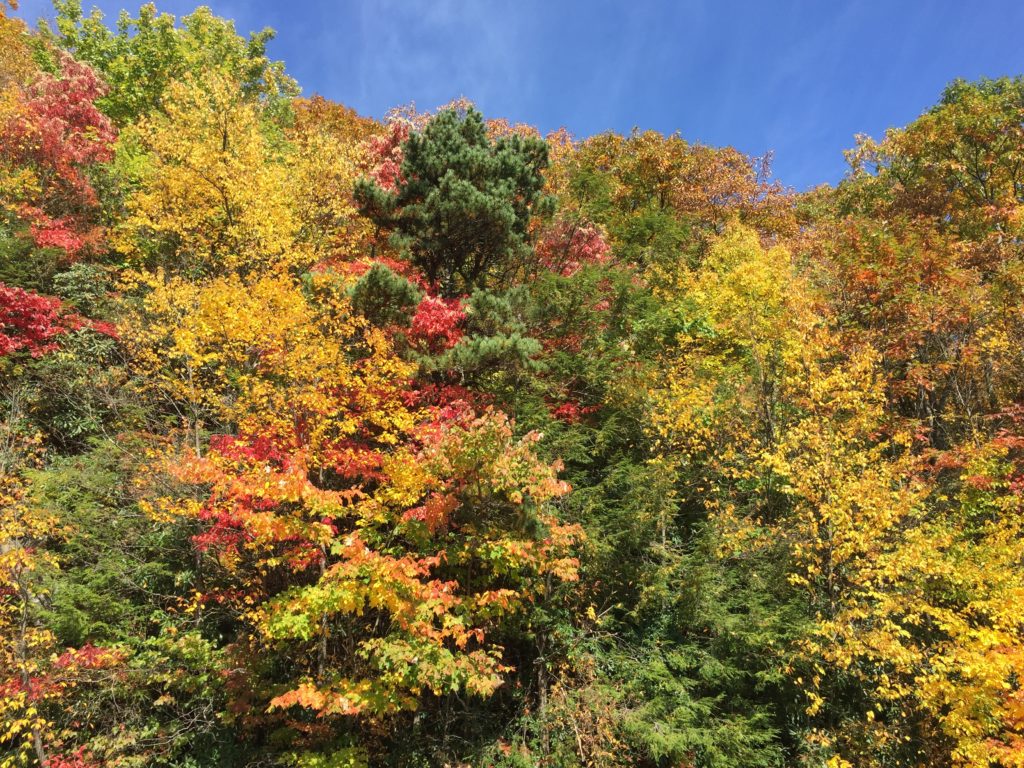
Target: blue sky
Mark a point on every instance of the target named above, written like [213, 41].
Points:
[797, 77]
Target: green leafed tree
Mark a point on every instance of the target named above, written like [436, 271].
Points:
[142, 55]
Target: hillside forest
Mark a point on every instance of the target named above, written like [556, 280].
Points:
[328, 441]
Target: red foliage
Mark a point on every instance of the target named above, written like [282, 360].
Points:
[66, 670]
[359, 267]
[88, 657]
[31, 322]
[267, 475]
[386, 156]
[107, 329]
[77, 759]
[446, 404]
[59, 133]
[62, 130]
[437, 323]
[434, 512]
[566, 247]
[354, 461]
[252, 448]
[52, 233]
[225, 531]
[571, 412]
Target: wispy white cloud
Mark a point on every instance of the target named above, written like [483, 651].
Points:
[434, 50]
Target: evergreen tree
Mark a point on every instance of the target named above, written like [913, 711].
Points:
[463, 203]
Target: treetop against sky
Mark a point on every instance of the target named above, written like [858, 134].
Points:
[798, 78]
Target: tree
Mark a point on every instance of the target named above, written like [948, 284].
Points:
[24, 643]
[958, 164]
[211, 195]
[333, 147]
[659, 196]
[361, 550]
[55, 139]
[463, 203]
[142, 56]
[32, 322]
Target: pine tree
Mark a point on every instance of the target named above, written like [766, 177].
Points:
[463, 202]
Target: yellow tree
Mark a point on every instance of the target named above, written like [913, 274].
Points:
[331, 152]
[258, 354]
[212, 192]
[747, 330]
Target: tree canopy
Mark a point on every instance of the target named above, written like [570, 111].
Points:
[429, 441]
